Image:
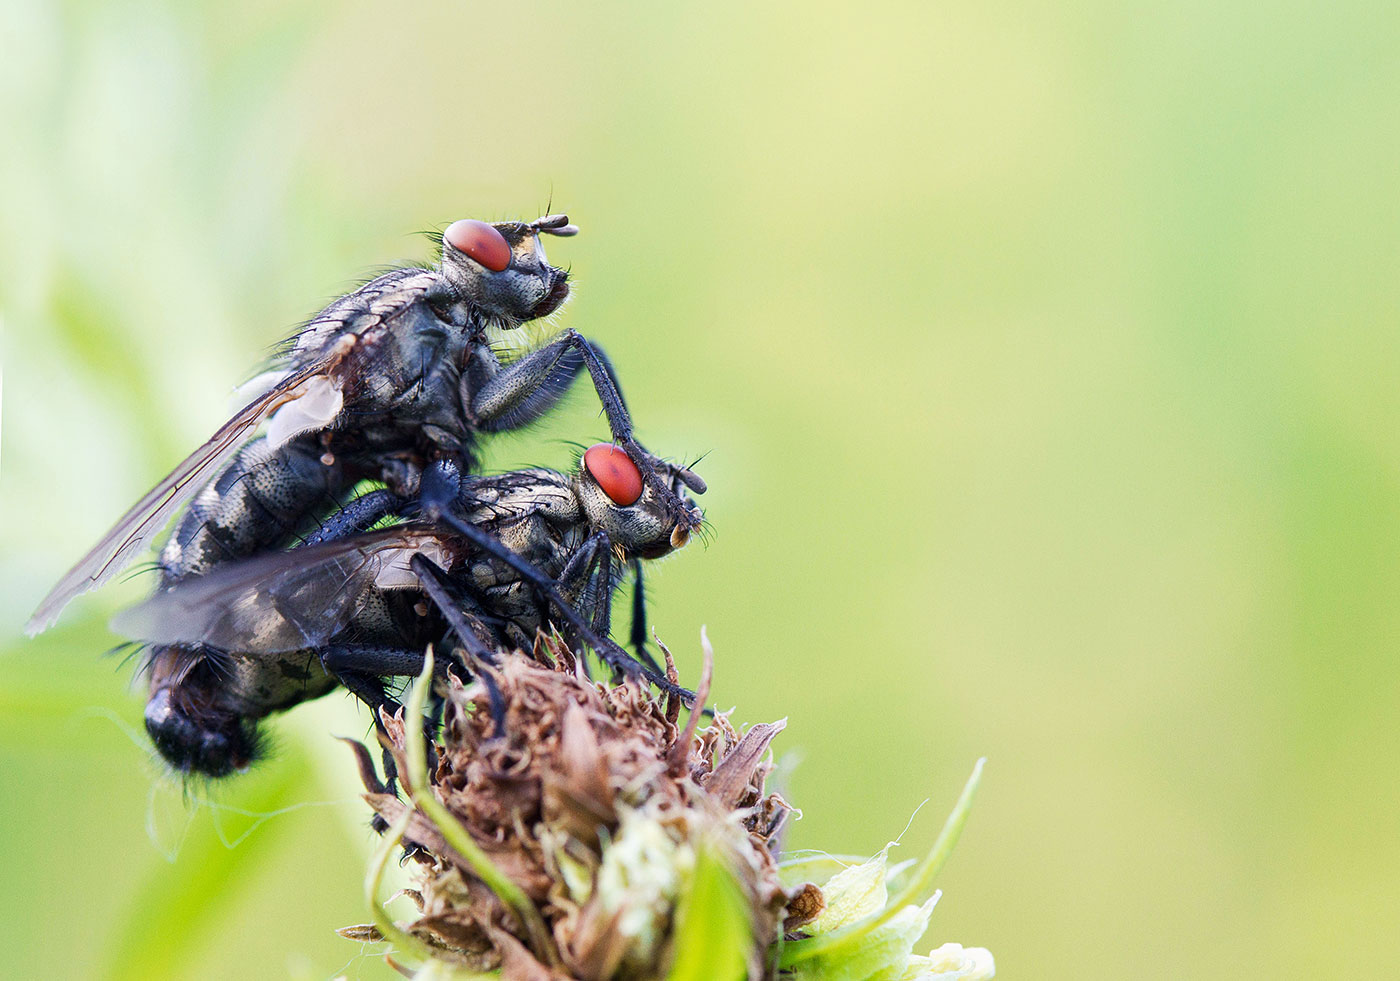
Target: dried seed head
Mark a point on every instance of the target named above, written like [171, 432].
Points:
[571, 830]
[596, 805]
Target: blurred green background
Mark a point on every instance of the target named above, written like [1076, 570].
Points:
[1046, 356]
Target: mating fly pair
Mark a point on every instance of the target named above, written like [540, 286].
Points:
[392, 383]
[478, 564]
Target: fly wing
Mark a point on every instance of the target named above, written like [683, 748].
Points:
[280, 601]
[132, 533]
[307, 397]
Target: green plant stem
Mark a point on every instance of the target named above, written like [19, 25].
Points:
[452, 832]
[387, 928]
[801, 950]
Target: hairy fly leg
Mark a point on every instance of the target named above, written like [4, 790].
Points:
[590, 576]
[357, 516]
[613, 655]
[453, 602]
[587, 575]
[525, 389]
[639, 619]
[359, 667]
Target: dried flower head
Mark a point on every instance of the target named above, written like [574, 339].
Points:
[598, 806]
[568, 829]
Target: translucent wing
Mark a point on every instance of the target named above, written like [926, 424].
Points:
[307, 397]
[132, 533]
[281, 601]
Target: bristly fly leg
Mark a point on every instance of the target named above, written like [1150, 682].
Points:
[359, 667]
[359, 515]
[578, 579]
[371, 659]
[526, 388]
[452, 602]
[614, 656]
[639, 619]
[589, 574]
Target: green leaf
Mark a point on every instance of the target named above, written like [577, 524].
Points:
[882, 955]
[844, 941]
[714, 936]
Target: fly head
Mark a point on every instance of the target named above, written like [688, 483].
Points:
[502, 270]
[616, 499]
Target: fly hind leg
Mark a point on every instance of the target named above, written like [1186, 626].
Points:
[454, 603]
[360, 668]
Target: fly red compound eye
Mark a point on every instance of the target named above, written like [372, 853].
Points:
[615, 473]
[480, 241]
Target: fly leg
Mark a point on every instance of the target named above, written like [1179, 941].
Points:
[357, 516]
[620, 420]
[525, 389]
[371, 659]
[359, 667]
[520, 392]
[613, 655]
[449, 599]
[589, 575]
[577, 579]
[600, 593]
[639, 619]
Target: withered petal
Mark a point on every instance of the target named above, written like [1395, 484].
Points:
[517, 963]
[597, 946]
[578, 796]
[732, 776]
[362, 932]
[369, 776]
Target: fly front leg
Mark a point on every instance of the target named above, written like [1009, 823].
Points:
[523, 390]
[620, 420]
[589, 575]
[596, 584]
[578, 580]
